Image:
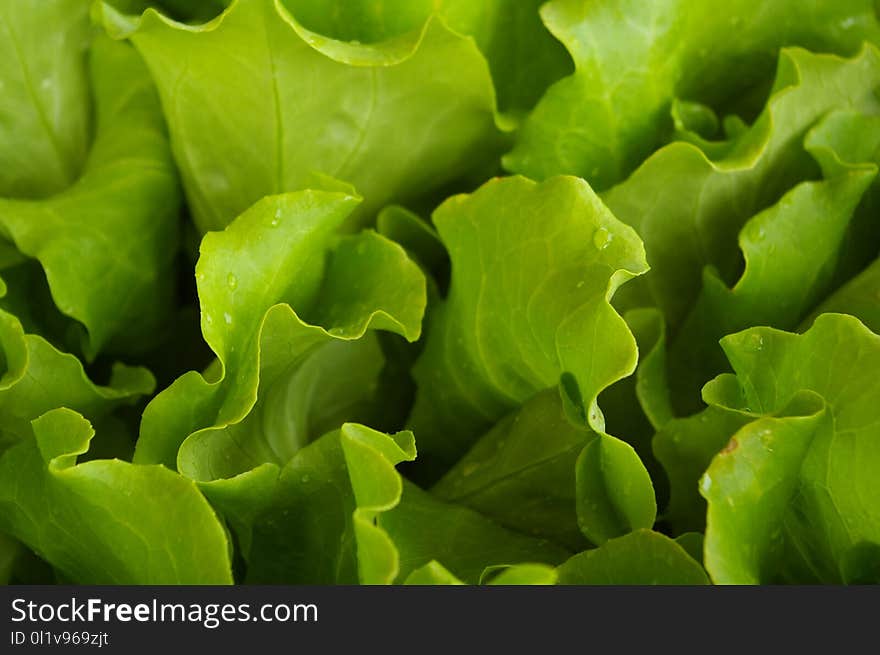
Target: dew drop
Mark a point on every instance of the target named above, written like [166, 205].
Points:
[305, 478]
[705, 484]
[602, 238]
[581, 284]
[277, 218]
[227, 317]
[232, 281]
[756, 343]
[208, 319]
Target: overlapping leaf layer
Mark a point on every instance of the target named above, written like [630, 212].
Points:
[439, 292]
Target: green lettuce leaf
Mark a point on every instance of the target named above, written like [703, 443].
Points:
[689, 209]
[689, 218]
[281, 254]
[396, 119]
[433, 573]
[537, 472]
[638, 558]
[792, 496]
[792, 251]
[106, 521]
[776, 288]
[685, 447]
[528, 306]
[650, 379]
[522, 472]
[418, 238]
[523, 57]
[339, 513]
[524, 574]
[287, 301]
[829, 219]
[522, 54]
[37, 378]
[632, 60]
[615, 494]
[692, 542]
[318, 525]
[183, 10]
[424, 529]
[45, 103]
[858, 297]
[640, 404]
[107, 241]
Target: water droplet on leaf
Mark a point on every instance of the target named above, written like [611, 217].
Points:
[602, 238]
[756, 343]
[705, 484]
